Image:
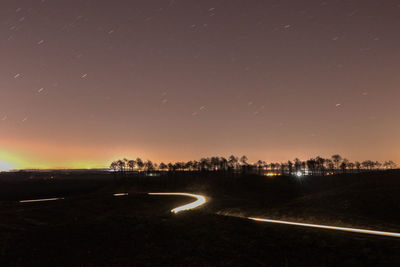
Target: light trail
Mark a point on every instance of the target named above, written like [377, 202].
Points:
[40, 200]
[200, 200]
[347, 229]
[120, 194]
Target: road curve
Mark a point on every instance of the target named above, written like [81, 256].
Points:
[200, 200]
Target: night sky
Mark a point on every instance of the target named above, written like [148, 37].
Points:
[87, 81]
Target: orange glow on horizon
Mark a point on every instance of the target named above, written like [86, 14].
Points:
[43, 154]
[80, 95]
[40, 155]
[10, 161]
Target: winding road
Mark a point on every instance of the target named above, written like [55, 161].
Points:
[201, 200]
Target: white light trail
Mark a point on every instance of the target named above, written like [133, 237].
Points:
[200, 200]
[40, 200]
[347, 229]
[120, 194]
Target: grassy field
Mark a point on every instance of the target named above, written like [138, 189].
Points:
[91, 227]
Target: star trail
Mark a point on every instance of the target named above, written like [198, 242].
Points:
[83, 82]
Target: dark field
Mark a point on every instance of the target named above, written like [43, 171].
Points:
[91, 227]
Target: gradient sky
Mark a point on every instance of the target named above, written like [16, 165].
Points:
[84, 82]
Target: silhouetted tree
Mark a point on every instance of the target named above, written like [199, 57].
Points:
[189, 166]
[149, 166]
[244, 160]
[121, 165]
[126, 162]
[312, 165]
[389, 164]
[351, 166]
[131, 165]
[139, 163]
[303, 167]
[344, 165]
[163, 166]
[290, 167]
[358, 166]
[378, 165]
[114, 165]
[283, 167]
[205, 164]
[320, 165]
[221, 164]
[179, 166]
[367, 164]
[244, 164]
[297, 165]
[336, 159]
[233, 162]
[260, 165]
[330, 165]
[392, 164]
[214, 163]
[196, 165]
[171, 167]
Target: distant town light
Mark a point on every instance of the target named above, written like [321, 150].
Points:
[270, 174]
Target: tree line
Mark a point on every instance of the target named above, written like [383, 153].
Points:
[313, 166]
